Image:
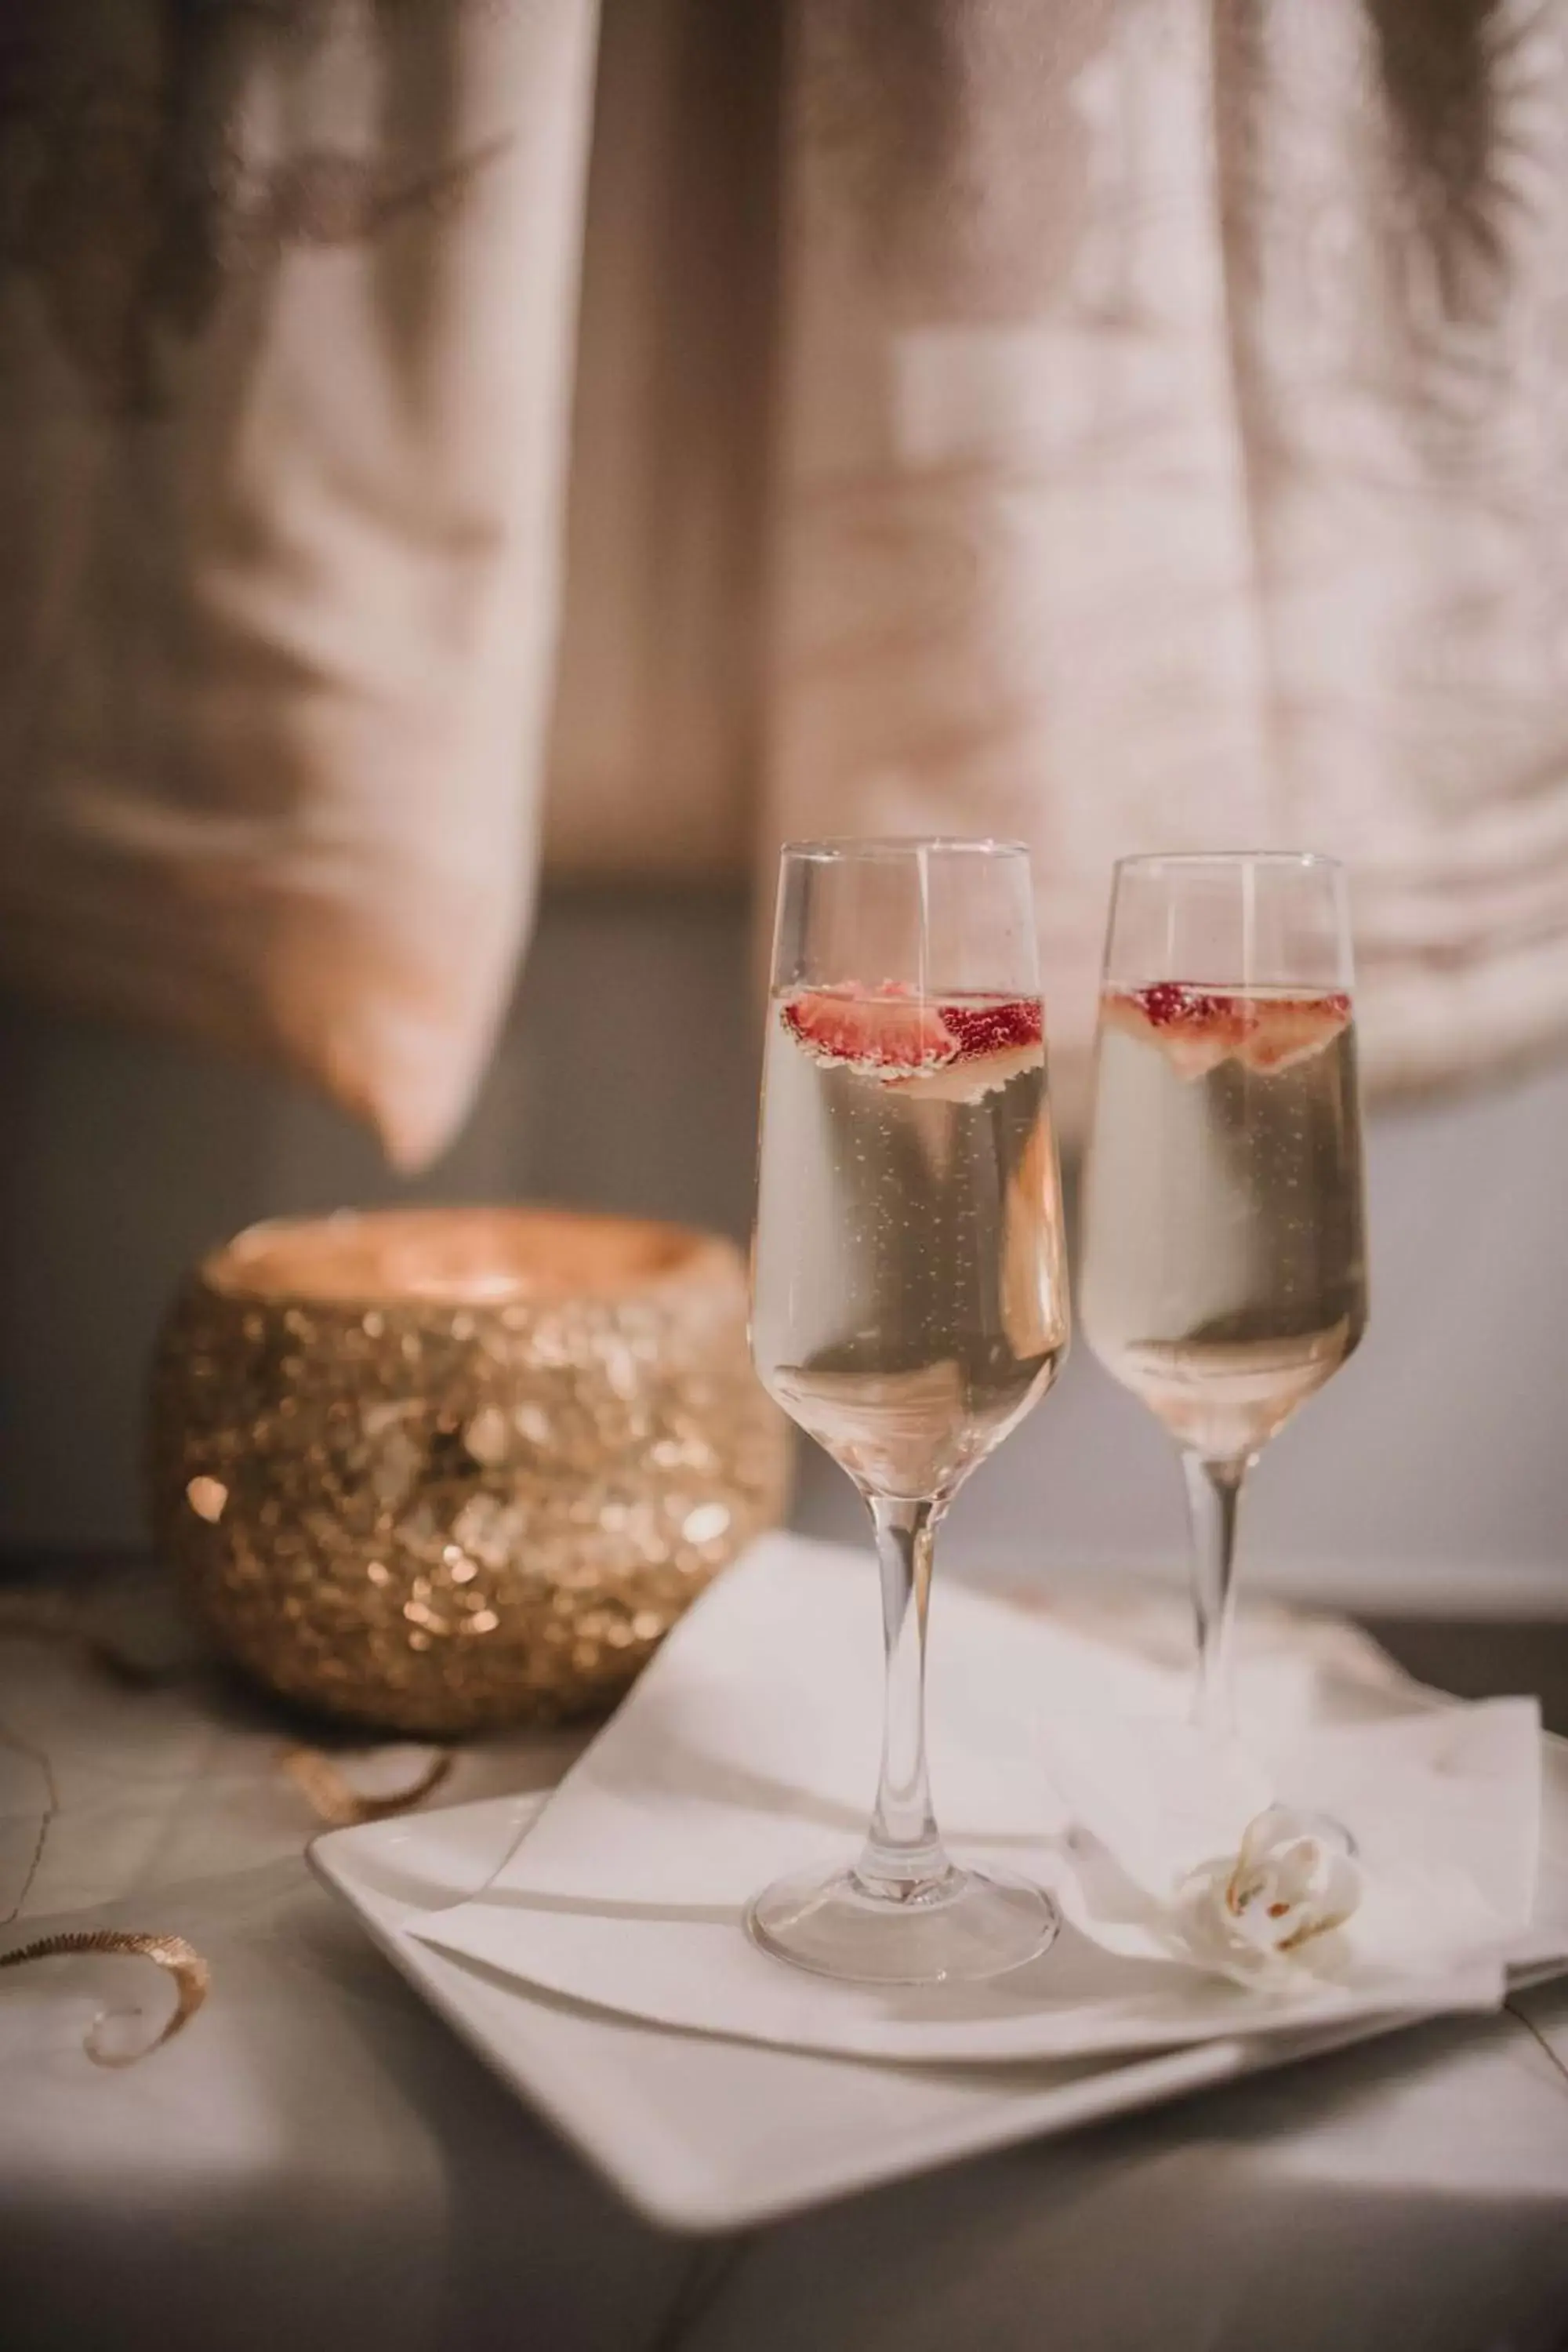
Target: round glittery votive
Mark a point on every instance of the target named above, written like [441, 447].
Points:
[433, 1469]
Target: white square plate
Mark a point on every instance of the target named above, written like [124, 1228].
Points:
[700, 2134]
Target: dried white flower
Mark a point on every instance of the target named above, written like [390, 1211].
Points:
[1295, 1880]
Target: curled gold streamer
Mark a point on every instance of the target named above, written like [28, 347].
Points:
[322, 1781]
[179, 1959]
[333, 1798]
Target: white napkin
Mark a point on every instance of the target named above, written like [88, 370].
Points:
[750, 1747]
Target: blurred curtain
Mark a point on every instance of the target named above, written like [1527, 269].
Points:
[1122, 423]
[287, 293]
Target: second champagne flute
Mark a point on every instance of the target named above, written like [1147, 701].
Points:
[909, 1306]
[1224, 1270]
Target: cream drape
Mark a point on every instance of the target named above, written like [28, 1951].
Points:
[286, 307]
[1122, 423]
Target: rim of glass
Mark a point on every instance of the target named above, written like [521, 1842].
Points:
[902, 845]
[1291, 857]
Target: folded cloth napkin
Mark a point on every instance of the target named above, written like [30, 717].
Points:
[749, 1747]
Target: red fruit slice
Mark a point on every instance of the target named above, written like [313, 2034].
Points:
[882, 1033]
[1289, 1029]
[952, 1052]
[1199, 1028]
[996, 1038]
[994, 1024]
[1196, 1029]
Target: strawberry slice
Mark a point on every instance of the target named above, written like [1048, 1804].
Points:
[997, 1037]
[1291, 1029]
[952, 1052]
[884, 1033]
[1199, 1028]
[1195, 1028]
[994, 1024]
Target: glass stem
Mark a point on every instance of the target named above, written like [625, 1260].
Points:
[903, 1852]
[1214, 1495]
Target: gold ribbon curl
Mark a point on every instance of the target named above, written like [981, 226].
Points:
[333, 1797]
[325, 1787]
[179, 1961]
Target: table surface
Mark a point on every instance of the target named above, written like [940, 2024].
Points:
[315, 2161]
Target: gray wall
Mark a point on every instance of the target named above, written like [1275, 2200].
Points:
[1433, 1473]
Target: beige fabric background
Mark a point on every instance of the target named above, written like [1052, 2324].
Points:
[285, 320]
[1126, 423]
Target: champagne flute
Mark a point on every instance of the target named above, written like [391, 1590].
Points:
[909, 1306]
[1224, 1272]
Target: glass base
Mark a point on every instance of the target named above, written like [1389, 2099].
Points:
[957, 1928]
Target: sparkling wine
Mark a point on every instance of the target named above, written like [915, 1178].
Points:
[1224, 1264]
[909, 1300]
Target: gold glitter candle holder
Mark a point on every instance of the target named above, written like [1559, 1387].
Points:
[433, 1469]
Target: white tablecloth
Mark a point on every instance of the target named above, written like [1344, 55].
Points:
[315, 2161]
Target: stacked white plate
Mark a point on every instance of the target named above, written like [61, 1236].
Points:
[703, 2126]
